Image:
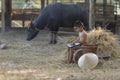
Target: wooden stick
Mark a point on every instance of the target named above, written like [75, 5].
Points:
[3, 15]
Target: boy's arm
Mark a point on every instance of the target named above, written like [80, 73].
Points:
[76, 40]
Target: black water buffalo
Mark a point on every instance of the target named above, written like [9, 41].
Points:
[55, 16]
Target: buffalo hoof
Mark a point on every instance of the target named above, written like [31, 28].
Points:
[53, 42]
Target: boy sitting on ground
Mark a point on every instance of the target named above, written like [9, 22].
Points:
[75, 44]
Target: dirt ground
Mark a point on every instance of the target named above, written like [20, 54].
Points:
[37, 60]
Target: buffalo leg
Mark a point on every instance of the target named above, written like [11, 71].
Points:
[53, 30]
[53, 37]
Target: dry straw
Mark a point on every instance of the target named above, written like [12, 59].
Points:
[106, 41]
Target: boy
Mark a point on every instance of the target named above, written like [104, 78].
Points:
[75, 44]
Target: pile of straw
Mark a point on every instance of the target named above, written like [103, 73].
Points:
[106, 41]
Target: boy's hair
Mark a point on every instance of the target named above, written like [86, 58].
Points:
[78, 24]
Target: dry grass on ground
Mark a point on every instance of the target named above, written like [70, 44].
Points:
[36, 60]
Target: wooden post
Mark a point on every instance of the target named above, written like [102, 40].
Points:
[91, 13]
[8, 4]
[42, 4]
[86, 1]
[3, 15]
[6, 14]
[71, 1]
[54, 1]
[110, 1]
[86, 4]
[47, 2]
[61, 1]
[104, 12]
[119, 4]
[104, 7]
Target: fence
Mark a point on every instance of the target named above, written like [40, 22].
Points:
[23, 9]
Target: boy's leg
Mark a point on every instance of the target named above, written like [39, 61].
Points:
[70, 55]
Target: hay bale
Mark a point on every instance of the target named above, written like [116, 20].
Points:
[107, 42]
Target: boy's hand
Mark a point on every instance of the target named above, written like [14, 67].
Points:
[72, 40]
[75, 40]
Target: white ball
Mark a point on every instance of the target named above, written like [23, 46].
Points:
[88, 61]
